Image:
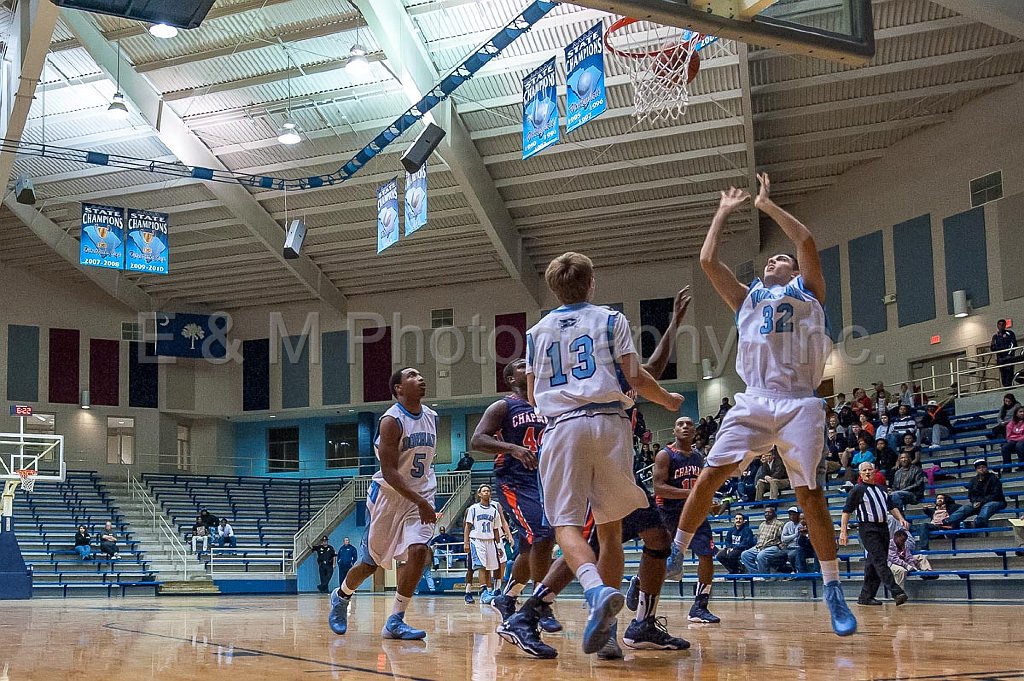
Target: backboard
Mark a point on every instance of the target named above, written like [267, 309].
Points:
[840, 30]
[41, 453]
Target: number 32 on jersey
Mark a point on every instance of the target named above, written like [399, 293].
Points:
[777, 319]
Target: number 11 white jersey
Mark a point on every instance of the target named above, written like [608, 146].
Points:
[573, 353]
[416, 449]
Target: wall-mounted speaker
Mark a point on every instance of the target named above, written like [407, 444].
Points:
[421, 149]
[293, 240]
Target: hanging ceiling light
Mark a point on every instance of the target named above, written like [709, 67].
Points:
[118, 108]
[288, 133]
[165, 31]
[357, 63]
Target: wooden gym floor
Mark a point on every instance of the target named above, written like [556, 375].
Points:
[287, 638]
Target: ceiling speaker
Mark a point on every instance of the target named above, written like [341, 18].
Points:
[180, 13]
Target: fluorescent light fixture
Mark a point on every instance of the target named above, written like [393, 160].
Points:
[961, 306]
[273, 416]
[118, 109]
[289, 134]
[705, 364]
[164, 31]
[357, 64]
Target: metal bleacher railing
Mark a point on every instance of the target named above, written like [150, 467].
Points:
[171, 541]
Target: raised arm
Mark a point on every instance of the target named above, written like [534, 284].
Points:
[722, 278]
[655, 366]
[806, 248]
[484, 440]
[388, 451]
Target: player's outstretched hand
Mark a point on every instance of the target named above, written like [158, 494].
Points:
[525, 456]
[428, 516]
[732, 198]
[764, 193]
[675, 401]
[682, 302]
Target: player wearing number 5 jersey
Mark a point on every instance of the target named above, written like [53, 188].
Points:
[400, 504]
[783, 345]
[581, 362]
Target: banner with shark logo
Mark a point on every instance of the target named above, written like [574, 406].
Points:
[540, 109]
[387, 215]
[147, 242]
[102, 236]
[584, 78]
[415, 200]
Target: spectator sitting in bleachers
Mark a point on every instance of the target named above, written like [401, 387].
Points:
[885, 457]
[209, 520]
[905, 423]
[938, 518]
[833, 422]
[772, 478]
[841, 403]
[863, 453]
[911, 449]
[908, 483]
[1014, 432]
[902, 560]
[805, 550]
[885, 431]
[108, 541]
[746, 484]
[766, 554]
[226, 534]
[847, 418]
[937, 420]
[790, 535]
[200, 535]
[866, 426]
[862, 404]
[82, 539]
[738, 539]
[445, 545]
[836, 445]
[1006, 412]
[985, 495]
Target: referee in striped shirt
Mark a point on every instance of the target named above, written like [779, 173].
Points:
[871, 503]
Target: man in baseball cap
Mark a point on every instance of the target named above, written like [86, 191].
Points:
[985, 497]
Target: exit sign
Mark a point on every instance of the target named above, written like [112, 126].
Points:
[21, 410]
[936, 340]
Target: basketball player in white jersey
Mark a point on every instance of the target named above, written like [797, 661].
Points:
[400, 503]
[581, 362]
[482, 543]
[783, 345]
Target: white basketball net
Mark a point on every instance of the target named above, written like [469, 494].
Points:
[28, 479]
[658, 61]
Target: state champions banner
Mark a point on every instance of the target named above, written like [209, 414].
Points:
[540, 109]
[147, 249]
[387, 215]
[584, 78]
[415, 200]
[102, 236]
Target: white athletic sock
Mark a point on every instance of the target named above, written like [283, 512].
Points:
[401, 603]
[830, 571]
[683, 539]
[648, 606]
[514, 588]
[703, 589]
[469, 587]
[589, 576]
[346, 590]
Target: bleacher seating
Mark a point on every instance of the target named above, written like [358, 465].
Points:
[45, 522]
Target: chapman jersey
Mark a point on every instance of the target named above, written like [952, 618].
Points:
[783, 340]
[483, 520]
[416, 455]
[573, 353]
[524, 427]
[683, 470]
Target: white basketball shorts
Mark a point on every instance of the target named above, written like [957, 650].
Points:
[588, 458]
[394, 526]
[484, 554]
[796, 425]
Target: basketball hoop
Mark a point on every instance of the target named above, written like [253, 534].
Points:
[28, 478]
[657, 58]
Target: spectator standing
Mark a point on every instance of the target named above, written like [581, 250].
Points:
[790, 535]
[226, 534]
[881, 398]
[108, 541]
[906, 396]
[908, 483]
[200, 535]
[938, 518]
[902, 560]
[1006, 411]
[347, 556]
[772, 477]
[738, 539]
[82, 545]
[767, 552]
[985, 495]
[325, 555]
[723, 409]
[870, 503]
[1003, 342]
[1014, 437]
[465, 463]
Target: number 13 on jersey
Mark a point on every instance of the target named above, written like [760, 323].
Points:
[582, 348]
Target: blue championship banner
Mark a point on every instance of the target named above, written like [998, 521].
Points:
[540, 109]
[584, 79]
[102, 236]
[147, 242]
[191, 335]
[703, 40]
[387, 215]
[415, 200]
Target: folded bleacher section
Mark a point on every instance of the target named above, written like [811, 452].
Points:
[45, 523]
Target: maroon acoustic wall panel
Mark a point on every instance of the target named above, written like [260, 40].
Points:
[104, 372]
[509, 344]
[64, 366]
